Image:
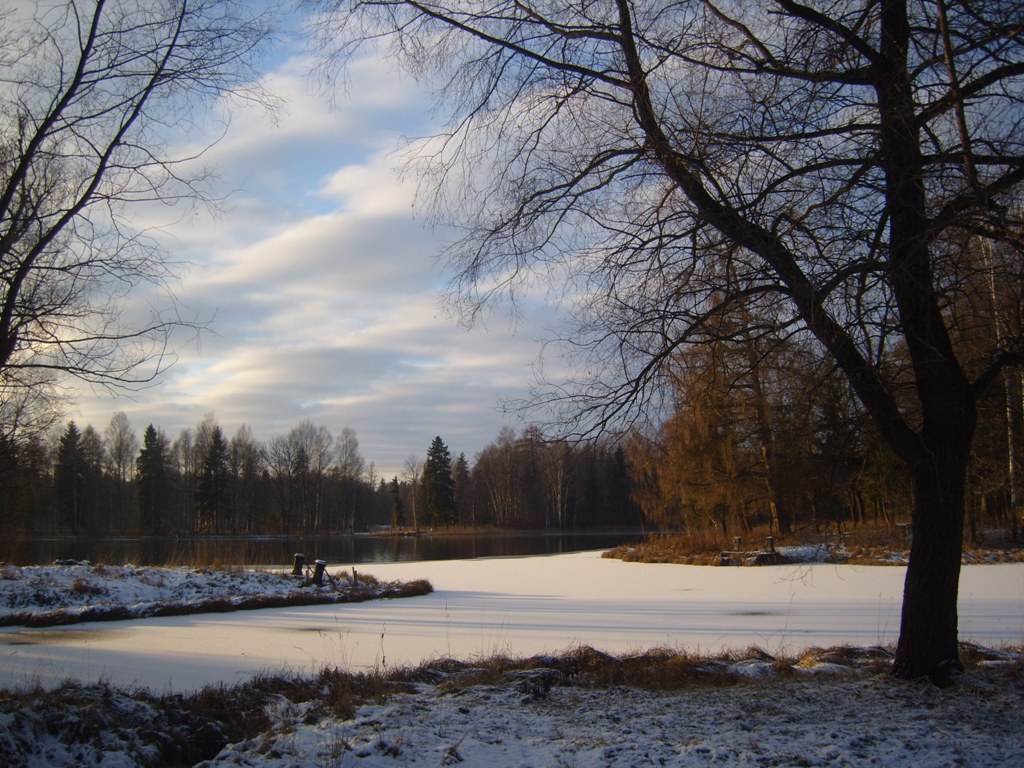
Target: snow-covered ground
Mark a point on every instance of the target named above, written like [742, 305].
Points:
[536, 605]
[807, 722]
[807, 715]
[74, 592]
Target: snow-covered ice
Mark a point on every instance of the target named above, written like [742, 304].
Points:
[518, 607]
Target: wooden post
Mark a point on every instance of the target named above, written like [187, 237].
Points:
[318, 574]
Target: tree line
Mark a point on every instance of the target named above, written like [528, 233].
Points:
[761, 436]
[81, 481]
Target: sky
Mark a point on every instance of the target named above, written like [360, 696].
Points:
[323, 289]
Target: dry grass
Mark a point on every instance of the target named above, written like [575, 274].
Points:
[86, 588]
[683, 549]
[338, 692]
[413, 588]
[868, 545]
[148, 729]
[660, 669]
[239, 711]
[1012, 656]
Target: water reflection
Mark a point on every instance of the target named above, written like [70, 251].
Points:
[278, 550]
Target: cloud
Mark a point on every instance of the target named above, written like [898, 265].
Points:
[324, 289]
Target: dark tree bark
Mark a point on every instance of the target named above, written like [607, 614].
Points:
[928, 625]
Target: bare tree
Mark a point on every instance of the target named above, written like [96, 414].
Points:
[30, 405]
[350, 461]
[497, 472]
[92, 94]
[248, 460]
[187, 460]
[122, 448]
[282, 465]
[315, 444]
[412, 471]
[675, 161]
[350, 464]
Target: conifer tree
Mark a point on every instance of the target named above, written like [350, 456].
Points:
[154, 473]
[67, 478]
[463, 490]
[397, 508]
[78, 478]
[438, 486]
[214, 492]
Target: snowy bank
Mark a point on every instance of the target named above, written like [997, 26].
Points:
[41, 596]
[833, 708]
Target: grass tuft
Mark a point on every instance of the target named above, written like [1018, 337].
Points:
[681, 549]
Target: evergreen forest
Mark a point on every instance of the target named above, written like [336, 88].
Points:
[84, 481]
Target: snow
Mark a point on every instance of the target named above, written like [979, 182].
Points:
[43, 596]
[821, 713]
[74, 589]
[801, 723]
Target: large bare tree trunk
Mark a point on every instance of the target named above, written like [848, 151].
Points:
[928, 627]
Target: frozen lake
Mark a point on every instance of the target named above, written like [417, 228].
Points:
[519, 607]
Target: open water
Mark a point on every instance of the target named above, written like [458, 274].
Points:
[280, 550]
